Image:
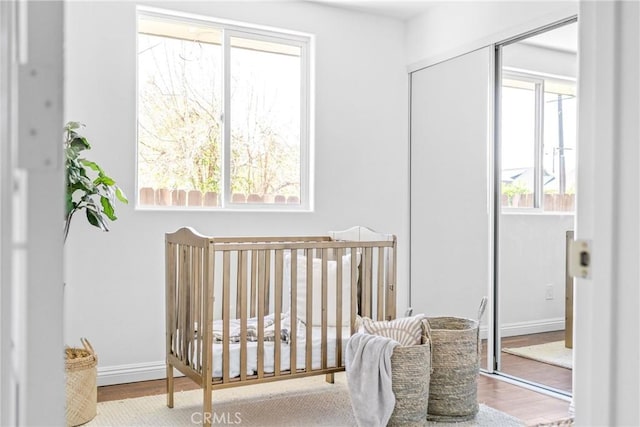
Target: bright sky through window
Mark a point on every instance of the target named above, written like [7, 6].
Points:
[229, 134]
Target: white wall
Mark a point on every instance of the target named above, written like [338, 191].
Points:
[115, 280]
[532, 256]
[453, 28]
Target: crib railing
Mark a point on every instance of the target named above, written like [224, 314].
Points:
[321, 280]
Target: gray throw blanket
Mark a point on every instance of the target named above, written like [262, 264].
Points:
[368, 366]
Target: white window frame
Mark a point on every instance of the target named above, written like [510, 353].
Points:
[538, 79]
[228, 28]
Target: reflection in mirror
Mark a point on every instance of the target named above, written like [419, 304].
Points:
[537, 158]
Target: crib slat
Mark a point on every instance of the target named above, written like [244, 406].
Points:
[238, 307]
[309, 332]
[267, 279]
[208, 284]
[183, 303]
[293, 318]
[254, 282]
[354, 288]
[391, 282]
[324, 307]
[367, 285]
[191, 291]
[178, 309]
[170, 277]
[339, 302]
[261, 293]
[226, 314]
[185, 307]
[381, 290]
[277, 310]
[170, 294]
[242, 303]
[198, 304]
[188, 336]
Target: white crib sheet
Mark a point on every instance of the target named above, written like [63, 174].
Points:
[285, 355]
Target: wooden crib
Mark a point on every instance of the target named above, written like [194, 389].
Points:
[248, 310]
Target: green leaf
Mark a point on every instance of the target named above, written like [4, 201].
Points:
[85, 184]
[92, 165]
[107, 191]
[80, 143]
[92, 217]
[96, 219]
[107, 208]
[104, 180]
[121, 196]
[72, 126]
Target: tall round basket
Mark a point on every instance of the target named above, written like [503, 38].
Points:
[456, 363]
[410, 373]
[81, 387]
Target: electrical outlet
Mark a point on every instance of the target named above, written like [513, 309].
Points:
[548, 292]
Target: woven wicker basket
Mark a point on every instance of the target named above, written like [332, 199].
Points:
[410, 373]
[81, 387]
[456, 363]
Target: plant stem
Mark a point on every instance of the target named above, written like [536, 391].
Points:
[67, 224]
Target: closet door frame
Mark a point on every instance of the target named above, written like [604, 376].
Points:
[497, 205]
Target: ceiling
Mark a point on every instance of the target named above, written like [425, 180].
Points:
[402, 10]
[563, 38]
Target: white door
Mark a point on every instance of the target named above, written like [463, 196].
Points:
[607, 341]
[31, 213]
[451, 106]
[7, 378]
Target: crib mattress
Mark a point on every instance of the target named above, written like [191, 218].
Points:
[285, 355]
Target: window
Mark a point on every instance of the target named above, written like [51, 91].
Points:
[223, 115]
[538, 142]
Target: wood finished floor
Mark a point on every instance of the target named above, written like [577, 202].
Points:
[542, 373]
[529, 406]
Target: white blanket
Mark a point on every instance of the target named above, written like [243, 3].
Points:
[252, 329]
[368, 366]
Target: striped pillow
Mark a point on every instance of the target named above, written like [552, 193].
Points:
[405, 330]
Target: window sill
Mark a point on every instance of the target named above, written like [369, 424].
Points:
[183, 209]
[536, 212]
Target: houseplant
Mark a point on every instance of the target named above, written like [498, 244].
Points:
[88, 186]
[90, 189]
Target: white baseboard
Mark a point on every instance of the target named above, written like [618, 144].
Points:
[528, 327]
[121, 374]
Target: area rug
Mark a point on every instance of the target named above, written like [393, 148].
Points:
[553, 353]
[304, 402]
[565, 422]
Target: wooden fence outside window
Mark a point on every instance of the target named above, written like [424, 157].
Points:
[194, 198]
